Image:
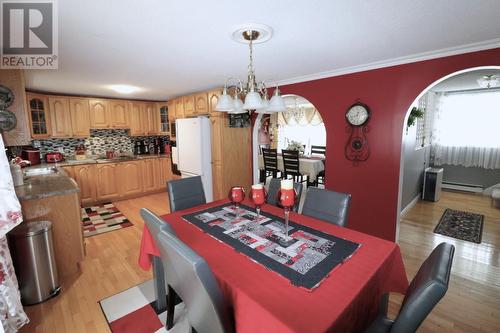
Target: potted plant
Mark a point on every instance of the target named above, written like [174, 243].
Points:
[296, 145]
[415, 113]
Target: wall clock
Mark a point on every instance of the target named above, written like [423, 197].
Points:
[357, 148]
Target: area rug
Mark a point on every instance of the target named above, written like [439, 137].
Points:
[461, 225]
[132, 311]
[103, 218]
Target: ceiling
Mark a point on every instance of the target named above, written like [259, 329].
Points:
[170, 48]
[464, 81]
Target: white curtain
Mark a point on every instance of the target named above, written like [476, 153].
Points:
[466, 129]
[12, 315]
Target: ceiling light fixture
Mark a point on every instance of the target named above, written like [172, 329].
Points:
[488, 81]
[124, 88]
[255, 95]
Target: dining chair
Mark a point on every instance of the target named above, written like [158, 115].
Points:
[156, 225]
[426, 289]
[185, 193]
[319, 150]
[192, 279]
[291, 165]
[274, 187]
[270, 162]
[327, 205]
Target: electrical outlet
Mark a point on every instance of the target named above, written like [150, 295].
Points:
[60, 150]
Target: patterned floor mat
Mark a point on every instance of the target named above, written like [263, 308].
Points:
[461, 225]
[103, 218]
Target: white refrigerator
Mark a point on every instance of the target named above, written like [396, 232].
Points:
[194, 152]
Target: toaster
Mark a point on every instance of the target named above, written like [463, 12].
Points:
[54, 157]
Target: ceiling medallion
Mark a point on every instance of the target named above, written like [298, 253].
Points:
[253, 93]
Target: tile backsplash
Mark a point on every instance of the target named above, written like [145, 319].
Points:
[99, 141]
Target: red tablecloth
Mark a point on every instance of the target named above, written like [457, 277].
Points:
[263, 301]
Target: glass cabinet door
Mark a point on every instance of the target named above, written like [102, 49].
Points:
[164, 123]
[38, 113]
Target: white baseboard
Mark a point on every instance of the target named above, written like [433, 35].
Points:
[410, 205]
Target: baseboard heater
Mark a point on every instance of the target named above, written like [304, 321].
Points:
[463, 187]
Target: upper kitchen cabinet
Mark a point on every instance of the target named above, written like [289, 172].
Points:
[136, 110]
[38, 114]
[179, 108]
[189, 107]
[60, 117]
[151, 119]
[201, 103]
[213, 98]
[80, 117]
[118, 114]
[99, 113]
[162, 115]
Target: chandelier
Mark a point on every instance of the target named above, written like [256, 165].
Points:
[252, 95]
[488, 81]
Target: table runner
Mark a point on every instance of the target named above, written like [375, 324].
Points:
[263, 301]
[306, 258]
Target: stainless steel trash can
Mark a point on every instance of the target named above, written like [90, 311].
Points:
[33, 257]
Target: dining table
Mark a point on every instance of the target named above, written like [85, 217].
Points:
[309, 166]
[261, 300]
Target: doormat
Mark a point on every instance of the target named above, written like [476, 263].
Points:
[133, 311]
[103, 218]
[461, 225]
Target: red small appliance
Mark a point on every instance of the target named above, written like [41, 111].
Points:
[54, 157]
[31, 154]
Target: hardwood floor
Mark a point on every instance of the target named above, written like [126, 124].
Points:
[472, 303]
[109, 267]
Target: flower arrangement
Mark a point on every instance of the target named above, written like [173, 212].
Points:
[296, 145]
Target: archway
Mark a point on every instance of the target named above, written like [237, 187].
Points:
[300, 124]
[447, 78]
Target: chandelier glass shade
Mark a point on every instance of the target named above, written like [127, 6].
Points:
[254, 94]
[489, 81]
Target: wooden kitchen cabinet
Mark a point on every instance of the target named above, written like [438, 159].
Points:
[179, 108]
[136, 116]
[60, 117]
[130, 177]
[201, 103]
[99, 113]
[151, 119]
[150, 174]
[231, 155]
[189, 106]
[165, 171]
[107, 181]
[80, 117]
[162, 113]
[38, 115]
[118, 114]
[84, 175]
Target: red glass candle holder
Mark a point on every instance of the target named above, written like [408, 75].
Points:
[236, 196]
[258, 195]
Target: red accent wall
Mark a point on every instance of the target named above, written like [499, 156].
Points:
[389, 92]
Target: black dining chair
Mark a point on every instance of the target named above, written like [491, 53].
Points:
[327, 205]
[274, 187]
[319, 150]
[156, 225]
[291, 165]
[185, 193]
[192, 279]
[270, 157]
[425, 291]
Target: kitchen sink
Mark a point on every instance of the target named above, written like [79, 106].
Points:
[39, 171]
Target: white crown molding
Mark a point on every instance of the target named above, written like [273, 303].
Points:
[467, 48]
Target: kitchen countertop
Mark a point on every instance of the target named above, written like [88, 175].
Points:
[46, 185]
[112, 160]
[38, 186]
